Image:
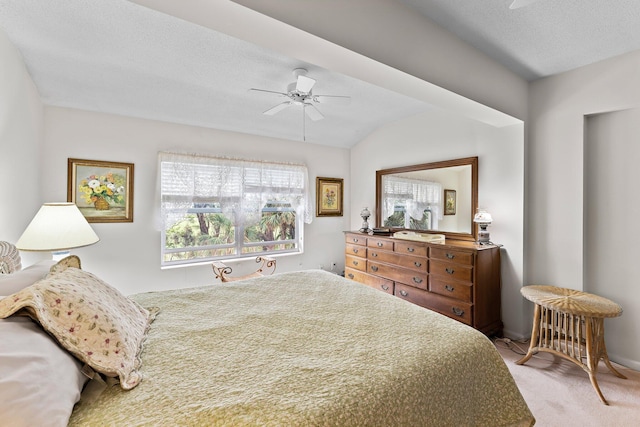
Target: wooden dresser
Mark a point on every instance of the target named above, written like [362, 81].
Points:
[458, 279]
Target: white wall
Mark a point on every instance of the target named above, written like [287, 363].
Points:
[20, 143]
[437, 136]
[128, 254]
[611, 211]
[555, 160]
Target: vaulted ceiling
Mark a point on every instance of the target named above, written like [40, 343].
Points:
[539, 38]
[117, 56]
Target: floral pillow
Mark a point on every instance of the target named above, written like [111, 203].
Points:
[89, 318]
[64, 263]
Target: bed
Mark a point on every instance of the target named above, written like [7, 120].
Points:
[306, 348]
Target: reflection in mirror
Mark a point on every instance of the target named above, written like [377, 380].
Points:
[433, 197]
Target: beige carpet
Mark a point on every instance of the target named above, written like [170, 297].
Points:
[559, 392]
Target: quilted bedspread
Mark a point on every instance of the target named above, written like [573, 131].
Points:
[308, 348]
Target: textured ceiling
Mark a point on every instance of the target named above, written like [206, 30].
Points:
[118, 57]
[539, 38]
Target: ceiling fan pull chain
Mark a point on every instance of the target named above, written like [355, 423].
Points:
[304, 122]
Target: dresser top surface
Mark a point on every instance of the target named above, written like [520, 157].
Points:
[448, 242]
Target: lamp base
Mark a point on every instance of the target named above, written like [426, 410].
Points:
[59, 255]
[483, 237]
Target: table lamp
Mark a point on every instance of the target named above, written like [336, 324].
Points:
[365, 214]
[57, 227]
[483, 219]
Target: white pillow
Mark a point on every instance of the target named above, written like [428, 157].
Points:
[40, 382]
[12, 283]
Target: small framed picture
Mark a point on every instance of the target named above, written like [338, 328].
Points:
[329, 196]
[449, 202]
[103, 191]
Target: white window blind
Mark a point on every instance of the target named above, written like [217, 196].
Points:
[414, 195]
[239, 193]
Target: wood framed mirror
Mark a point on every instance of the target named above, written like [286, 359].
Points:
[439, 197]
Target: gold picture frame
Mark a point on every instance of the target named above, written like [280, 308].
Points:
[103, 191]
[329, 196]
[450, 202]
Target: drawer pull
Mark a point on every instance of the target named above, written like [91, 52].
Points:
[410, 249]
[449, 270]
[373, 254]
[356, 240]
[374, 268]
[457, 311]
[417, 264]
[449, 288]
[385, 287]
[355, 251]
[350, 275]
[417, 280]
[404, 293]
[380, 244]
[450, 256]
[354, 262]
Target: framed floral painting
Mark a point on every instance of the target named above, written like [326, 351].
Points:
[449, 202]
[103, 191]
[329, 196]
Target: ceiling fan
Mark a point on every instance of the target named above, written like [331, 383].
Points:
[300, 93]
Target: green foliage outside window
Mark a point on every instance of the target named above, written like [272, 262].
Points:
[277, 223]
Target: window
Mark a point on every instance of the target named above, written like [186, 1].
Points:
[220, 208]
[421, 200]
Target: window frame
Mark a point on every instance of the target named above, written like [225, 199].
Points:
[240, 222]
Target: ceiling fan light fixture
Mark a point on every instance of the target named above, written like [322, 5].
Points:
[305, 84]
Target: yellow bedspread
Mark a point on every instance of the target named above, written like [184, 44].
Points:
[308, 348]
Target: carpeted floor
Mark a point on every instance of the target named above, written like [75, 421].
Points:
[559, 392]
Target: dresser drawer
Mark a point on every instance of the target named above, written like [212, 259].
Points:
[379, 283]
[445, 254]
[451, 270]
[414, 263]
[356, 239]
[410, 248]
[397, 274]
[355, 262]
[386, 245]
[451, 288]
[356, 250]
[452, 308]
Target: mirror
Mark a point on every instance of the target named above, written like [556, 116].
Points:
[440, 197]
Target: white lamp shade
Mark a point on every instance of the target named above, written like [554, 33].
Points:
[483, 217]
[57, 227]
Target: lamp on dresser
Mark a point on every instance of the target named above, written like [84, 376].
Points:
[365, 214]
[483, 219]
[56, 228]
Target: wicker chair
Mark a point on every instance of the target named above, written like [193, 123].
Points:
[221, 270]
[10, 261]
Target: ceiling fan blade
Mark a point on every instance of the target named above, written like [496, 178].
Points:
[312, 112]
[305, 84]
[276, 109]
[332, 99]
[517, 4]
[267, 91]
